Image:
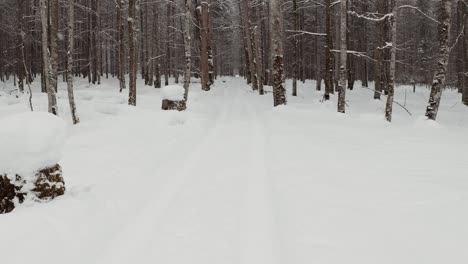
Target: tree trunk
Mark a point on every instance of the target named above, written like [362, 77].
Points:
[255, 75]
[132, 49]
[465, 54]
[204, 46]
[187, 48]
[279, 91]
[318, 65]
[259, 52]
[379, 63]
[156, 37]
[391, 78]
[47, 70]
[248, 43]
[295, 49]
[20, 45]
[344, 56]
[54, 20]
[121, 55]
[211, 69]
[70, 50]
[444, 18]
[167, 66]
[329, 61]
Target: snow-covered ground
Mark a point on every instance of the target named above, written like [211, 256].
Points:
[233, 180]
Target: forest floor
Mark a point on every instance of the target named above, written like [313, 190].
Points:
[233, 180]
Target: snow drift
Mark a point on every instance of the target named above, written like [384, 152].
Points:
[30, 142]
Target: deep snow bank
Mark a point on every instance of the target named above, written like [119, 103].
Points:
[30, 142]
[173, 93]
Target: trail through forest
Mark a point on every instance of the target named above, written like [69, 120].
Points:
[233, 180]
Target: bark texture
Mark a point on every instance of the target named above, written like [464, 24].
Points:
[329, 60]
[133, 53]
[391, 77]
[46, 60]
[279, 91]
[71, 43]
[444, 18]
[343, 58]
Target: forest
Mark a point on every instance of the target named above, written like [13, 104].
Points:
[334, 42]
[234, 131]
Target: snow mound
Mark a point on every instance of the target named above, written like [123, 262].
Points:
[173, 93]
[30, 141]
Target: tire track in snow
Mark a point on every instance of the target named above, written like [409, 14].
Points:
[198, 193]
[129, 241]
[259, 237]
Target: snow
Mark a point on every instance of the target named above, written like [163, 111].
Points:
[30, 141]
[234, 180]
[173, 92]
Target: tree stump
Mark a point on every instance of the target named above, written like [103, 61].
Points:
[174, 105]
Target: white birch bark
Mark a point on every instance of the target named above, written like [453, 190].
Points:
[445, 13]
[51, 96]
[71, 29]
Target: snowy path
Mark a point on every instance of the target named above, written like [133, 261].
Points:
[217, 206]
[233, 180]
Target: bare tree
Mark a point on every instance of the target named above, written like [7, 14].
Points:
[295, 49]
[344, 56]
[121, 41]
[279, 91]
[204, 36]
[132, 50]
[393, 50]
[444, 18]
[70, 49]
[329, 60]
[187, 48]
[46, 60]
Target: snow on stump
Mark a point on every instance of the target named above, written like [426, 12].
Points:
[173, 98]
[30, 148]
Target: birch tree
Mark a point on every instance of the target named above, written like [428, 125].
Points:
[393, 50]
[444, 18]
[70, 49]
[187, 48]
[46, 60]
